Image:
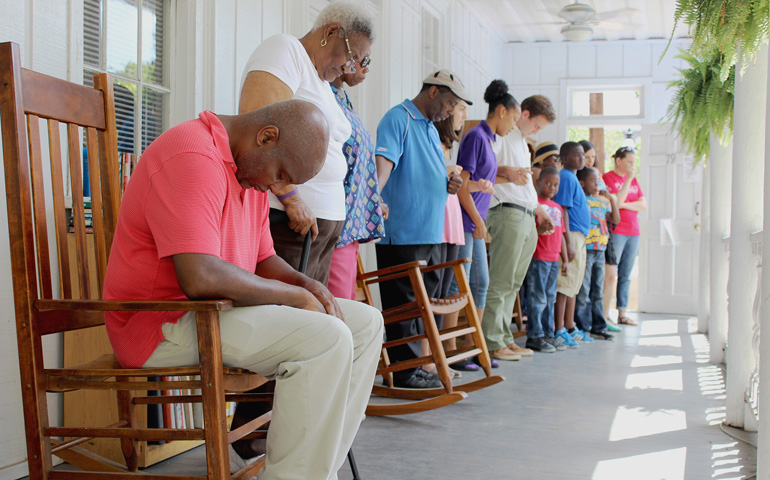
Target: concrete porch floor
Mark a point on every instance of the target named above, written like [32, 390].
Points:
[645, 406]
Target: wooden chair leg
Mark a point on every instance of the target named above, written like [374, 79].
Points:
[384, 363]
[127, 412]
[213, 392]
[518, 317]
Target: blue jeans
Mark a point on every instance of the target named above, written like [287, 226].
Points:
[590, 300]
[541, 296]
[626, 249]
[477, 270]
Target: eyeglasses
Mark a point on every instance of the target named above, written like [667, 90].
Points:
[623, 150]
[351, 63]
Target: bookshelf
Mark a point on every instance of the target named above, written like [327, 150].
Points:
[99, 408]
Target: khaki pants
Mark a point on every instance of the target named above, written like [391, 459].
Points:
[514, 238]
[576, 269]
[323, 368]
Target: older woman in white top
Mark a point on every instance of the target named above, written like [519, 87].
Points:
[281, 68]
[284, 67]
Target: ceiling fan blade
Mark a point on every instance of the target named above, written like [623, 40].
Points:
[610, 25]
[545, 23]
[621, 12]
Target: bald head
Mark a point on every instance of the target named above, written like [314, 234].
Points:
[303, 135]
[285, 142]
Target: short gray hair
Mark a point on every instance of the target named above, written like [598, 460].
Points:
[352, 18]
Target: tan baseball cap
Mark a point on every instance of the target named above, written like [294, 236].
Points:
[448, 79]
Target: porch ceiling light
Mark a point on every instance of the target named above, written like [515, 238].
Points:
[577, 33]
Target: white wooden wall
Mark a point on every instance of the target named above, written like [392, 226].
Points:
[550, 68]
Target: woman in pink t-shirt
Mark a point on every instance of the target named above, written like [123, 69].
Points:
[624, 236]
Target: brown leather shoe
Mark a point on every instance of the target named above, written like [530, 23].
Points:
[524, 352]
[504, 354]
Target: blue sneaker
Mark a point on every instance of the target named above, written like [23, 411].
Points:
[563, 336]
[581, 337]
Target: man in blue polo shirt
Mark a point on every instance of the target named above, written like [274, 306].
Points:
[414, 183]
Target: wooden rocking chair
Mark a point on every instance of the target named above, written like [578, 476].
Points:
[27, 99]
[426, 309]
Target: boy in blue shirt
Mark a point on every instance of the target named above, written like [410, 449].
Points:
[589, 301]
[576, 220]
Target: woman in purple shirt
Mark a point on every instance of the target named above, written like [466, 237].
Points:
[478, 159]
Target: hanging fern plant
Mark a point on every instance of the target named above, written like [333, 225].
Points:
[724, 34]
[737, 28]
[703, 103]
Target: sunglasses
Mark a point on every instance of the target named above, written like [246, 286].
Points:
[623, 150]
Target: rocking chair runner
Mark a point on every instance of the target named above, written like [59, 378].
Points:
[426, 309]
[26, 99]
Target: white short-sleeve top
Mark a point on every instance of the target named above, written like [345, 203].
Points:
[284, 56]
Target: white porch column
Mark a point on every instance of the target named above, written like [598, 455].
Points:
[763, 445]
[720, 173]
[746, 218]
[704, 287]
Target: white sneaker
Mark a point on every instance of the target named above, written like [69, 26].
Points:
[237, 463]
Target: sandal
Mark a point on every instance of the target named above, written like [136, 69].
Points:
[624, 320]
[492, 362]
[466, 365]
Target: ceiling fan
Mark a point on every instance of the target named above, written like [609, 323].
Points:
[580, 18]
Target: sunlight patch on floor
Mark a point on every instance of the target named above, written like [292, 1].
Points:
[663, 380]
[726, 462]
[711, 381]
[659, 327]
[700, 343]
[660, 360]
[668, 465]
[669, 341]
[637, 422]
[716, 415]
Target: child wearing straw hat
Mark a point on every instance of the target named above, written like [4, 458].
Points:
[546, 155]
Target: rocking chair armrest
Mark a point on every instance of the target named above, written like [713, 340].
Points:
[136, 305]
[440, 266]
[392, 270]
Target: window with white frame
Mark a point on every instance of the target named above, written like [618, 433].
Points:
[128, 40]
[609, 116]
[621, 101]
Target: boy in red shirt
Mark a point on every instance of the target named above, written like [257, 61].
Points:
[544, 269]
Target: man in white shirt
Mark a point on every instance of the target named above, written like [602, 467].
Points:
[511, 223]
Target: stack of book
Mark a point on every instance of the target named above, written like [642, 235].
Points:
[89, 217]
[128, 162]
[177, 415]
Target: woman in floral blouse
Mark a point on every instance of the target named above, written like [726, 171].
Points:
[365, 210]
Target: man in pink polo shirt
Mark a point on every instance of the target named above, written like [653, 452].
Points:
[194, 224]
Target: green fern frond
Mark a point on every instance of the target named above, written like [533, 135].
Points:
[702, 103]
[737, 28]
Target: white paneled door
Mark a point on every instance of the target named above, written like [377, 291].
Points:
[670, 227]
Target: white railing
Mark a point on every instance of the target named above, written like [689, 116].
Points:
[752, 392]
